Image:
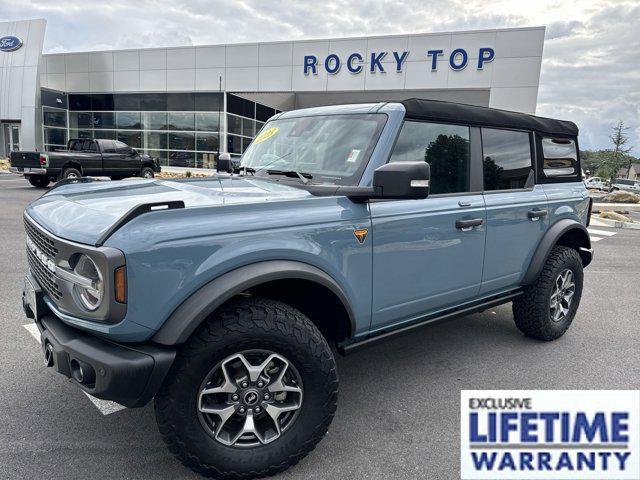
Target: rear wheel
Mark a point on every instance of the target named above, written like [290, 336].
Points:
[71, 173]
[39, 181]
[147, 172]
[546, 309]
[251, 392]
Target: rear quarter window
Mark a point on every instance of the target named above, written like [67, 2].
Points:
[560, 160]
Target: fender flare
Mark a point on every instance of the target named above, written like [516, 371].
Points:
[550, 239]
[203, 302]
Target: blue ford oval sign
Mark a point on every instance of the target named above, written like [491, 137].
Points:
[10, 43]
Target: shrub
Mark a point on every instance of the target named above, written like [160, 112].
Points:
[621, 197]
[615, 216]
[187, 174]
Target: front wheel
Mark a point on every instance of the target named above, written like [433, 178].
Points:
[251, 392]
[39, 181]
[547, 307]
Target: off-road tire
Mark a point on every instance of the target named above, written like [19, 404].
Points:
[147, 172]
[531, 311]
[70, 172]
[250, 323]
[38, 181]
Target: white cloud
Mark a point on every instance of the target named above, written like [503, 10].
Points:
[591, 62]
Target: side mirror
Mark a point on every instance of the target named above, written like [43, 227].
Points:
[402, 180]
[224, 163]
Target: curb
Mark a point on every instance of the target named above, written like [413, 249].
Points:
[619, 224]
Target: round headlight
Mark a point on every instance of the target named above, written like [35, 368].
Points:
[90, 296]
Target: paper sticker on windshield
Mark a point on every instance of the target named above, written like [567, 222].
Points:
[353, 155]
[268, 133]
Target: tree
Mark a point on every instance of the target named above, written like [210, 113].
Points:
[618, 157]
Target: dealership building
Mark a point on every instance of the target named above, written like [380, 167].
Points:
[184, 104]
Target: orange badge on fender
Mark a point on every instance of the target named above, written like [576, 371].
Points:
[361, 234]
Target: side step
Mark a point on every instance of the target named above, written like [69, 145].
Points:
[347, 348]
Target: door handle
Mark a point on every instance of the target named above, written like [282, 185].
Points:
[466, 225]
[536, 214]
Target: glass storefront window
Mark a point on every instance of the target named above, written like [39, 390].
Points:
[207, 141]
[248, 127]
[131, 138]
[154, 140]
[105, 134]
[80, 133]
[55, 136]
[104, 120]
[154, 121]
[234, 144]
[129, 120]
[182, 141]
[181, 121]
[207, 122]
[80, 120]
[234, 124]
[54, 118]
[206, 160]
[182, 159]
[245, 143]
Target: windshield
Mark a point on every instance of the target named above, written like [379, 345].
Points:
[326, 149]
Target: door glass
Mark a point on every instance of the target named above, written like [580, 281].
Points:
[6, 135]
[507, 159]
[444, 147]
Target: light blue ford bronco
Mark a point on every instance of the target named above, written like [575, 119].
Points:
[224, 299]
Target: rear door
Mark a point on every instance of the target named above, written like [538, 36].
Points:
[517, 209]
[424, 259]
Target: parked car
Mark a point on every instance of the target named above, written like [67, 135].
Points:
[594, 183]
[625, 184]
[221, 298]
[109, 158]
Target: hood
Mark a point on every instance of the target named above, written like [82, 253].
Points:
[83, 212]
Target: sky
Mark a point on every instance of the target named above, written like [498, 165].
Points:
[590, 67]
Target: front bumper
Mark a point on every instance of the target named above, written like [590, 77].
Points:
[127, 374]
[28, 171]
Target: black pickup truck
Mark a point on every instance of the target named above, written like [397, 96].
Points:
[99, 158]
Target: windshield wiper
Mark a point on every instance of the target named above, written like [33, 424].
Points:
[303, 176]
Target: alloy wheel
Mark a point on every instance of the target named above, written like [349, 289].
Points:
[563, 291]
[250, 398]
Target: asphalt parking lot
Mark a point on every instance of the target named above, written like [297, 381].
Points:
[398, 413]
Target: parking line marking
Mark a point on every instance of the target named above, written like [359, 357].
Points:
[106, 407]
[604, 233]
[595, 239]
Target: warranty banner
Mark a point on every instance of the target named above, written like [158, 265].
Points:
[550, 434]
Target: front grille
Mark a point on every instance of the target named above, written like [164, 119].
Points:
[42, 241]
[44, 276]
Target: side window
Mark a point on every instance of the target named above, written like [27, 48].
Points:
[506, 159]
[445, 147]
[89, 146]
[108, 146]
[122, 148]
[560, 158]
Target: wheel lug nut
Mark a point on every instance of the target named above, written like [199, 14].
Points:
[260, 384]
[242, 410]
[257, 409]
[234, 397]
[245, 384]
[267, 396]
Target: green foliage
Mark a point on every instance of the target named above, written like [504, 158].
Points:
[607, 163]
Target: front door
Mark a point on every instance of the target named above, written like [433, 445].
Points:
[11, 138]
[428, 254]
[517, 216]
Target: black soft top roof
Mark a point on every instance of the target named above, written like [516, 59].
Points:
[439, 111]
